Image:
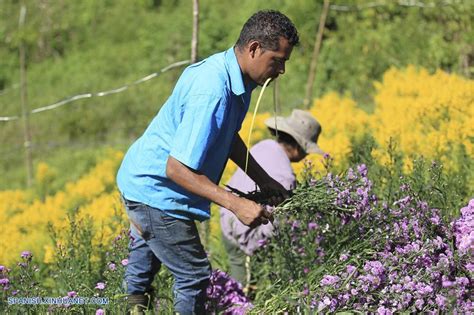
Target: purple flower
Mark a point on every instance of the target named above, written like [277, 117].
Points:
[26, 255]
[446, 283]
[362, 169]
[305, 291]
[295, 225]
[470, 267]
[124, 262]
[72, 294]
[462, 281]
[100, 286]
[407, 297]
[312, 226]
[464, 229]
[374, 267]
[350, 269]
[441, 301]
[435, 219]
[423, 289]
[343, 257]
[4, 282]
[419, 304]
[384, 311]
[225, 295]
[350, 174]
[112, 266]
[403, 203]
[329, 280]
[99, 312]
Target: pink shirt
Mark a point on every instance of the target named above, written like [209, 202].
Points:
[271, 156]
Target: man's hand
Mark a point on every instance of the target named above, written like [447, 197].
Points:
[247, 211]
[251, 213]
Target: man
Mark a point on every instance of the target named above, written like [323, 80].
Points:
[296, 136]
[169, 175]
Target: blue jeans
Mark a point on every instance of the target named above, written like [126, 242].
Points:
[161, 239]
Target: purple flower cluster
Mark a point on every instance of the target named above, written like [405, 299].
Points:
[344, 251]
[353, 192]
[4, 281]
[20, 280]
[412, 268]
[225, 295]
[464, 231]
[26, 255]
[316, 216]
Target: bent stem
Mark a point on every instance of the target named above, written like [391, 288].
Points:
[253, 119]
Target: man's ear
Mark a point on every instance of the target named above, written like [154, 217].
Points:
[252, 48]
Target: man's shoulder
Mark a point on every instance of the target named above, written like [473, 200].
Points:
[210, 71]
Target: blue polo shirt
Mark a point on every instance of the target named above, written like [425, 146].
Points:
[196, 126]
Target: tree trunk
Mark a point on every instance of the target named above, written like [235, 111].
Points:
[24, 105]
[195, 39]
[314, 58]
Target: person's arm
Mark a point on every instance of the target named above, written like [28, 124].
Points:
[254, 170]
[247, 211]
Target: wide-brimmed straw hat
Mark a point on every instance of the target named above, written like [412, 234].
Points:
[302, 126]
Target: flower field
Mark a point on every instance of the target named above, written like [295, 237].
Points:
[383, 223]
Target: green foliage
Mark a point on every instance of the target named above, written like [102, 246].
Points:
[320, 232]
[83, 267]
[76, 47]
[290, 267]
[447, 190]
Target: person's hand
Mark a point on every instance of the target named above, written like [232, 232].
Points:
[251, 213]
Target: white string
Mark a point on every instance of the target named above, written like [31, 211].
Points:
[99, 94]
[405, 3]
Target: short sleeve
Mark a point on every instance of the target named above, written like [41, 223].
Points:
[201, 122]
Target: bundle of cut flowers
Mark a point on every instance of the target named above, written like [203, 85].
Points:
[314, 220]
[225, 295]
[340, 249]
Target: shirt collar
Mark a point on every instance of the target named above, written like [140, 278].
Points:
[236, 79]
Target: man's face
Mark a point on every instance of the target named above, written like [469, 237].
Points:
[269, 64]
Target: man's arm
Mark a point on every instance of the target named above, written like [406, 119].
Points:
[254, 170]
[247, 211]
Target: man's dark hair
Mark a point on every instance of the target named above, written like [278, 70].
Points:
[267, 27]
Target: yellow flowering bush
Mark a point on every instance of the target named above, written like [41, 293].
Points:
[11, 203]
[43, 179]
[24, 225]
[426, 114]
[341, 121]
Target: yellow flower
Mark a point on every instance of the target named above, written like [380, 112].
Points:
[24, 225]
[428, 114]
